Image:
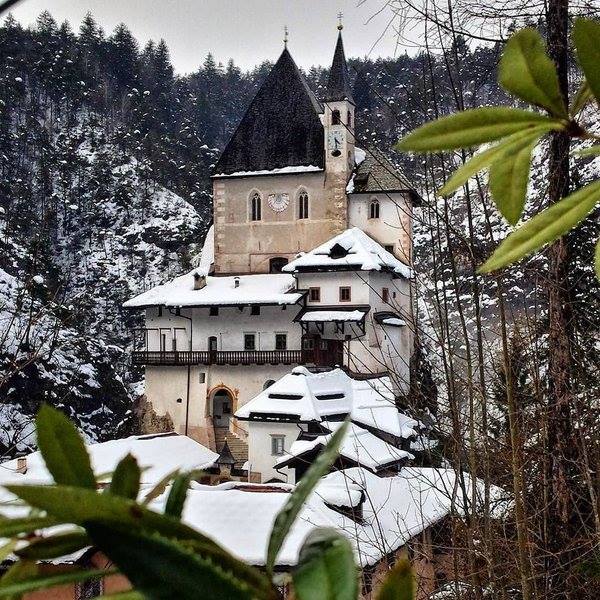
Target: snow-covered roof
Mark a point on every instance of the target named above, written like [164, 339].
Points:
[305, 396]
[359, 445]
[276, 288]
[157, 455]
[322, 316]
[352, 249]
[279, 171]
[207, 256]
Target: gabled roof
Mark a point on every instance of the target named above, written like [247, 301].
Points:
[375, 173]
[351, 250]
[281, 127]
[264, 288]
[338, 85]
[304, 396]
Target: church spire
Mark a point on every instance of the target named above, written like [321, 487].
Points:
[338, 86]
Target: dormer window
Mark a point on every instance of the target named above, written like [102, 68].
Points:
[338, 251]
[255, 207]
[303, 205]
[374, 209]
[336, 119]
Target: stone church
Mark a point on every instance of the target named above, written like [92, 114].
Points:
[308, 263]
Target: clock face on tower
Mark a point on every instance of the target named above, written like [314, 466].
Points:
[278, 202]
[335, 141]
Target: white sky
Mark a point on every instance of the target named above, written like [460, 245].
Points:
[249, 31]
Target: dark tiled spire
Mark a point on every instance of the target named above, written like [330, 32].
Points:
[281, 127]
[338, 86]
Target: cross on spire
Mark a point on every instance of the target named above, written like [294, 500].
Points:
[285, 36]
[340, 24]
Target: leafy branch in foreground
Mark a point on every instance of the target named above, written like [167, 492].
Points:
[161, 556]
[526, 72]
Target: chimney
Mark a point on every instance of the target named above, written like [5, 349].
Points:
[22, 465]
[236, 282]
[199, 281]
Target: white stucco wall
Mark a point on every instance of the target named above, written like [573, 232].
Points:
[259, 448]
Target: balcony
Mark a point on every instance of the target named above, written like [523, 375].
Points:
[223, 357]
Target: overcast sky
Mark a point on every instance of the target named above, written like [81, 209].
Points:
[249, 31]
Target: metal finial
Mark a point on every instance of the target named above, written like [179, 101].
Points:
[285, 36]
[340, 24]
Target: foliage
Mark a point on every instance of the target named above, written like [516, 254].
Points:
[162, 557]
[527, 73]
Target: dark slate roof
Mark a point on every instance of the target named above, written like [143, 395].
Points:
[281, 127]
[377, 174]
[338, 85]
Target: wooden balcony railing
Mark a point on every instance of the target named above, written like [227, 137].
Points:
[223, 357]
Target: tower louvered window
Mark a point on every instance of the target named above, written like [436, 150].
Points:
[335, 117]
[256, 208]
[303, 205]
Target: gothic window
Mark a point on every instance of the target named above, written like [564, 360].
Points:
[255, 207]
[374, 209]
[303, 205]
[335, 117]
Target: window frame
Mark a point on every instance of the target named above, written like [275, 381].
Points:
[247, 336]
[385, 294]
[314, 290]
[374, 208]
[342, 289]
[280, 334]
[303, 205]
[276, 439]
[255, 212]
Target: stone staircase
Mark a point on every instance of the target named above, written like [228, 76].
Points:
[238, 446]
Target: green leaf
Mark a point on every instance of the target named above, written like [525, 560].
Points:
[42, 582]
[326, 568]
[586, 36]
[54, 546]
[508, 181]
[160, 487]
[63, 449]
[545, 227]
[178, 493]
[526, 71]
[582, 97]
[487, 157]
[597, 260]
[161, 568]
[81, 506]
[20, 571]
[126, 478]
[591, 151]
[289, 512]
[10, 527]
[471, 128]
[7, 549]
[399, 583]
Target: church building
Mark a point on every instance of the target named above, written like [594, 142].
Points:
[308, 264]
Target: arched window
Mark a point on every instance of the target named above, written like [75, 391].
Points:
[349, 119]
[255, 207]
[303, 205]
[335, 117]
[374, 209]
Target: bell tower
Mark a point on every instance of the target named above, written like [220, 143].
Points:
[338, 121]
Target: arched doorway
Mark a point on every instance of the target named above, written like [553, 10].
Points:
[222, 408]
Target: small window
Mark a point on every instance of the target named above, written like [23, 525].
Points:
[345, 294]
[308, 344]
[374, 209]
[178, 312]
[202, 378]
[303, 206]
[389, 248]
[255, 207]
[160, 311]
[349, 119]
[277, 263]
[277, 445]
[314, 294]
[385, 295]
[255, 310]
[335, 117]
[323, 345]
[281, 341]
[249, 341]
[213, 311]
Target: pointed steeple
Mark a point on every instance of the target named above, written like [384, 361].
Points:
[338, 86]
